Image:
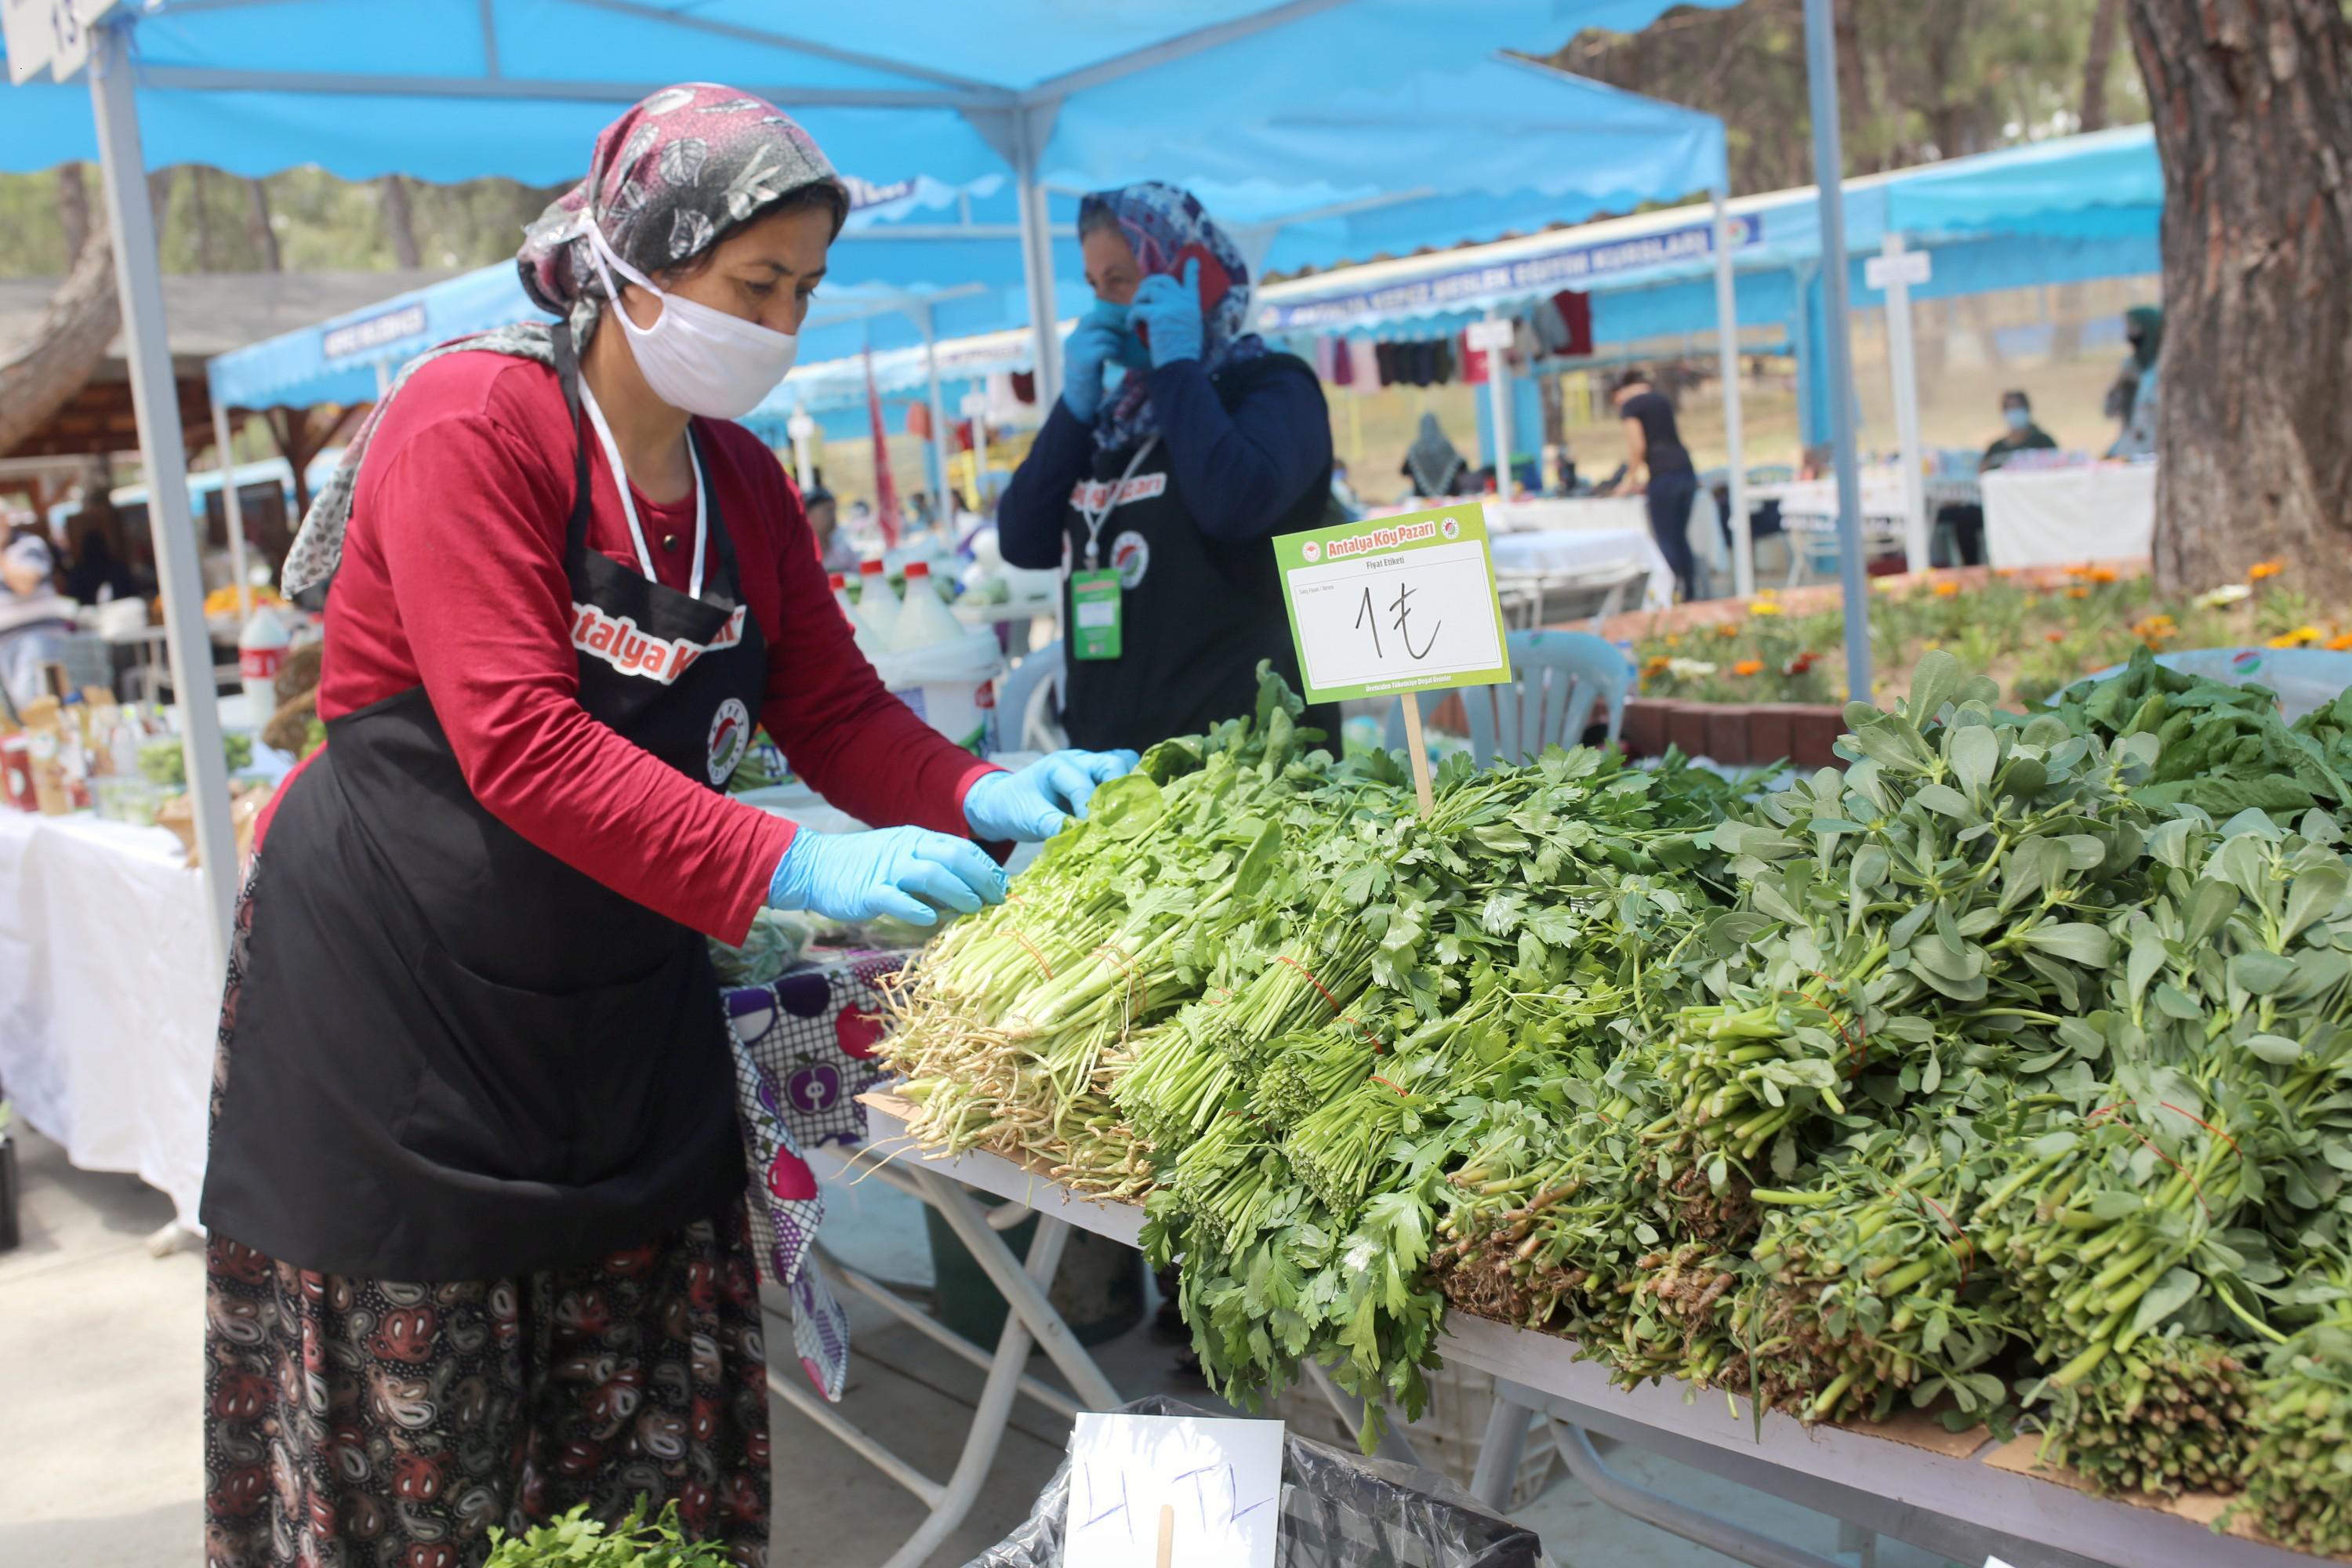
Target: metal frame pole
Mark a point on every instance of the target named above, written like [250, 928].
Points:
[1498, 388]
[1903, 369]
[1829, 173]
[1029, 131]
[156, 398]
[232, 508]
[940, 448]
[1727, 338]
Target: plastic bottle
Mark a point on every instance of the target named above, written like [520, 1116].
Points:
[923, 619]
[878, 607]
[261, 651]
[857, 626]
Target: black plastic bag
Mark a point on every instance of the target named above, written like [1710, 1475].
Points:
[1338, 1511]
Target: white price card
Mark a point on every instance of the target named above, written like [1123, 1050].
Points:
[1219, 1481]
[1395, 604]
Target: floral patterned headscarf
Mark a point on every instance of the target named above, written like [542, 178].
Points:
[1166, 228]
[665, 181]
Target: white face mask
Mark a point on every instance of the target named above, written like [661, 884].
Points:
[694, 357]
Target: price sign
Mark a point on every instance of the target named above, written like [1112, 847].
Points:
[1489, 334]
[48, 34]
[1182, 1491]
[1394, 604]
[1912, 267]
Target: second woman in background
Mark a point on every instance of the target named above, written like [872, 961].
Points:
[1160, 489]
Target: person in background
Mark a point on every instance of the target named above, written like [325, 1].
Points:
[1659, 465]
[2144, 330]
[2023, 434]
[1167, 484]
[834, 552]
[31, 612]
[96, 576]
[1434, 464]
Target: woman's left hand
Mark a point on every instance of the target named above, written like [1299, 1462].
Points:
[1032, 804]
[1167, 313]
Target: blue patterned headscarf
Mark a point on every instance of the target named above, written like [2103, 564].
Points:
[1166, 228]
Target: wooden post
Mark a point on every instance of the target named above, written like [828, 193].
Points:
[1167, 1535]
[1417, 752]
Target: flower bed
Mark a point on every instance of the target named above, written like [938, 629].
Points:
[1755, 681]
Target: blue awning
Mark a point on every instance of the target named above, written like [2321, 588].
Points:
[2107, 184]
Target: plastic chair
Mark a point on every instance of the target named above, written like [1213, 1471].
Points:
[1027, 701]
[1556, 678]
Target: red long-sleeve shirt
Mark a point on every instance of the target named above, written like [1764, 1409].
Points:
[453, 578]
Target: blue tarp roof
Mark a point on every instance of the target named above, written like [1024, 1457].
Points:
[1576, 146]
[2103, 184]
[452, 89]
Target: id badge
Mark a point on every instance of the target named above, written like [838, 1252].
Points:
[1095, 605]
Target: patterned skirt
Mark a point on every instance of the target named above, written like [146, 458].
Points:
[373, 1423]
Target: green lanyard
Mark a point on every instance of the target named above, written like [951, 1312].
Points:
[1096, 608]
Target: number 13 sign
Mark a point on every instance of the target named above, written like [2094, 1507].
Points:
[1394, 604]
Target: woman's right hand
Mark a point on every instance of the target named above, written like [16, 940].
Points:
[1092, 344]
[907, 873]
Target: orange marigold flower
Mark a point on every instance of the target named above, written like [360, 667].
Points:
[1749, 667]
[2078, 592]
[2261, 568]
[1727, 629]
[1946, 590]
[1656, 665]
[2053, 634]
[1799, 665]
[2340, 643]
[2100, 575]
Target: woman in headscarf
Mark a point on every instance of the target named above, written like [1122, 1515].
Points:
[1161, 491]
[2144, 332]
[476, 1203]
[1434, 464]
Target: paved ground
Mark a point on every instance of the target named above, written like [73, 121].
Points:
[99, 1355]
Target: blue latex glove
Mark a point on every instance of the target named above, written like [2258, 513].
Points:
[908, 873]
[1092, 344]
[1030, 804]
[1170, 311]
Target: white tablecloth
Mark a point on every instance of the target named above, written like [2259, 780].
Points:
[110, 1003]
[1593, 552]
[1566, 515]
[2056, 517]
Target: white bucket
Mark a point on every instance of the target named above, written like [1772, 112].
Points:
[945, 683]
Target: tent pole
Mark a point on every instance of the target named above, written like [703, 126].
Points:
[1903, 367]
[1037, 252]
[939, 446]
[1726, 340]
[233, 507]
[156, 398]
[1498, 388]
[1829, 173]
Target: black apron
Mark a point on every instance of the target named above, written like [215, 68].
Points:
[1197, 614]
[453, 1055]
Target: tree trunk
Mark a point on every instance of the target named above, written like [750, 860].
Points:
[73, 209]
[398, 221]
[258, 224]
[2251, 101]
[1862, 152]
[38, 375]
[2096, 56]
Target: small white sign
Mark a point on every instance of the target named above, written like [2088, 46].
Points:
[1221, 1479]
[48, 34]
[1487, 335]
[1396, 620]
[1912, 269]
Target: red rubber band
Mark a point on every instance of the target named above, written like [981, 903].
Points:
[1345, 1017]
[2149, 1144]
[1034, 953]
[1386, 1084]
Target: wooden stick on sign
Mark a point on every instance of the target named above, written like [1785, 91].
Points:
[1417, 752]
[1167, 1535]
